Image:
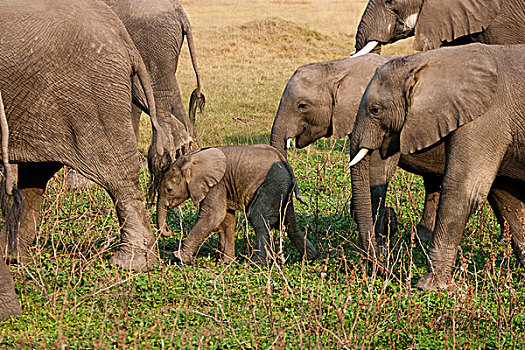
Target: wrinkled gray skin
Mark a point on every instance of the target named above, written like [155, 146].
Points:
[9, 305]
[158, 29]
[255, 179]
[67, 83]
[470, 101]
[321, 100]
[436, 23]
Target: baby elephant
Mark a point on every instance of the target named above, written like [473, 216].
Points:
[255, 179]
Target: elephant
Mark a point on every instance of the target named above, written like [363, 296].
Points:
[467, 103]
[157, 29]
[68, 80]
[436, 23]
[321, 100]
[255, 179]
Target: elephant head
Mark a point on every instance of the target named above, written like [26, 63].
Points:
[321, 100]
[191, 176]
[411, 104]
[432, 22]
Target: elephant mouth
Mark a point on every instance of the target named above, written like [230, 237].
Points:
[390, 145]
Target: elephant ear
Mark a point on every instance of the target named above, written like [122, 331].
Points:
[443, 93]
[202, 170]
[447, 20]
[348, 90]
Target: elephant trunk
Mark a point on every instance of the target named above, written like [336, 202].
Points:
[376, 25]
[162, 211]
[278, 138]
[361, 201]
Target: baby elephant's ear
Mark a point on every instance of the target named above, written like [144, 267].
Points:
[202, 171]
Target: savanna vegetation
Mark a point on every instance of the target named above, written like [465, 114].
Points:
[72, 298]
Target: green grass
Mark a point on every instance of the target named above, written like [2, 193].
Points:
[71, 297]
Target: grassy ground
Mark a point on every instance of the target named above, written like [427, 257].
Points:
[71, 297]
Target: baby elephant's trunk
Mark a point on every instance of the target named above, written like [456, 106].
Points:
[162, 212]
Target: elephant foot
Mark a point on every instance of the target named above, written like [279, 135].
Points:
[519, 252]
[166, 232]
[312, 254]
[183, 257]
[12, 255]
[432, 281]
[258, 261]
[136, 260]
[424, 233]
[227, 259]
[73, 181]
[387, 222]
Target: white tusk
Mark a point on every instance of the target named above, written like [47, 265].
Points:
[367, 49]
[288, 143]
[362, 153]
[352, 53]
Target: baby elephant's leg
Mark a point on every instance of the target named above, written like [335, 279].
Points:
[264, 213]
[227, 237]
[211, 214]
[300, 242]
[261, 223]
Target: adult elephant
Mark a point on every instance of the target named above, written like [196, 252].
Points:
[469, 101]
[321, 100]
[67, 80]
[158, 29]
[436, 23]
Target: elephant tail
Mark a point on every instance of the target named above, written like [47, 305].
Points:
[159, 157]
[11, 199]
[8, 176]
[295, 185]
[197, 99]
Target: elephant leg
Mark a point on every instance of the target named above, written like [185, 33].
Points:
[299, 240]
[137, 242]
[178, 110]
[510, 212]
[381, 172]
[425, 228]
[227, 237]
[32, 182]
[467, 181]
[212, 213]
[266, 210]
[261, 224]
[9, 305]
[119, 176]
[136, 112]
[170, 111]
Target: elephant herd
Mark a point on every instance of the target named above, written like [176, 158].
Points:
[75, 76]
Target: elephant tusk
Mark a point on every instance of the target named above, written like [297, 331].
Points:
[288, 143]
[367, 49]
[362, 153]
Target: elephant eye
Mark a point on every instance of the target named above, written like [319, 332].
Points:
[375, 109]
[169, 190]
[301, 107]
